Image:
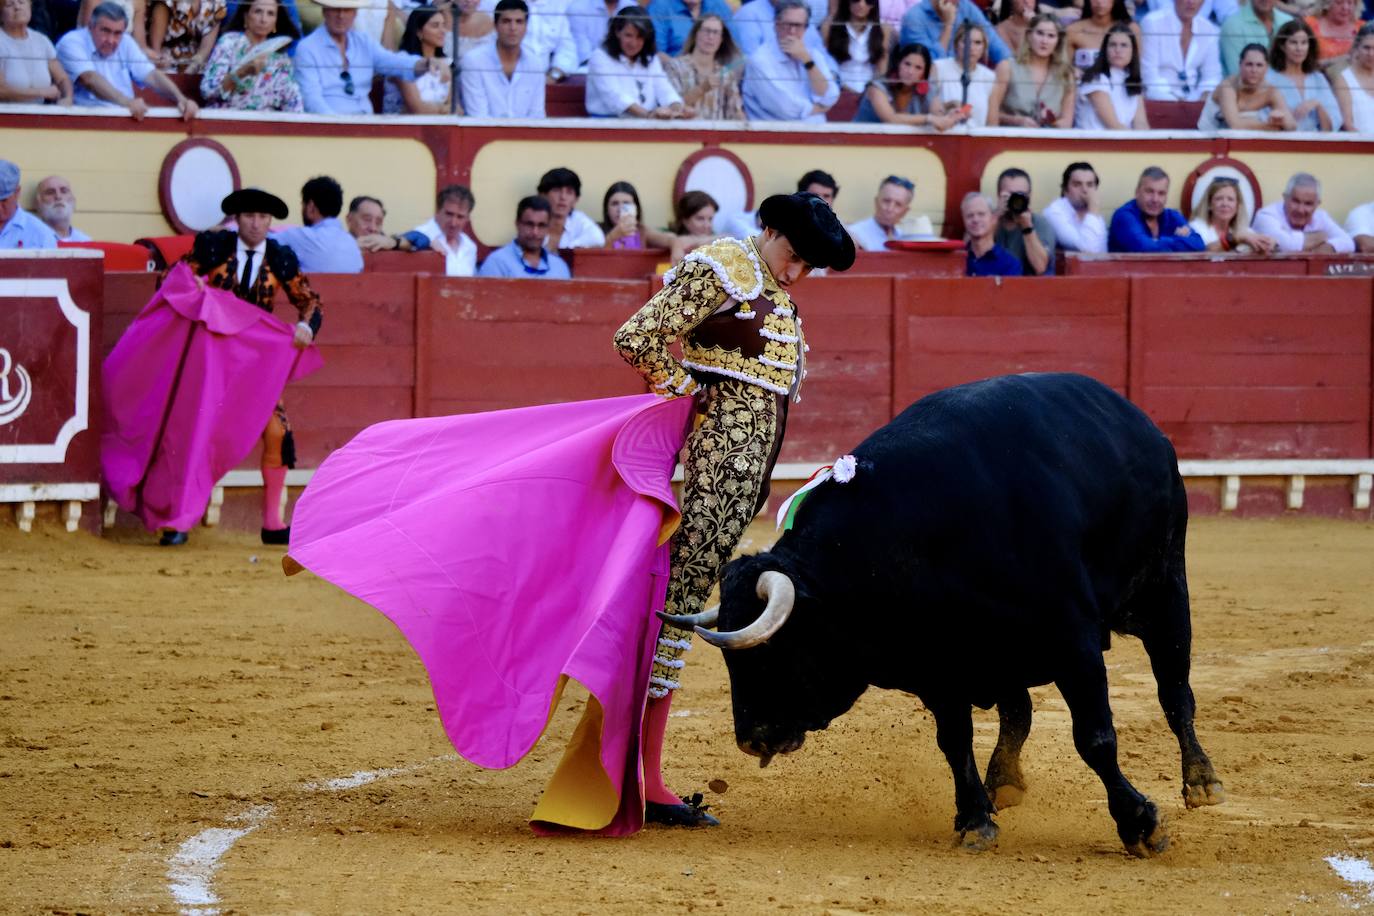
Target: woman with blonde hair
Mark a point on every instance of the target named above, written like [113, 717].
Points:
[1037, 88]
[946, 80]
[1335, 26]
[1221, 221]
[707, 72]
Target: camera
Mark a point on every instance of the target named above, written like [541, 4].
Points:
[1017, 203]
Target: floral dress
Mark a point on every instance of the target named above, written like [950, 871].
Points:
[274, 89]
[725, 104]
[190, 22]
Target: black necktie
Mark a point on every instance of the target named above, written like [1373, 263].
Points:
[246, 277]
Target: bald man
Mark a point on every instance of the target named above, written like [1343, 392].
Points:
[56, 204]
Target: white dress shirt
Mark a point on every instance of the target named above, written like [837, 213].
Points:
[778, 88]
[1360, 221]
[1167, 74]
[614, 84]
[1216, 10]
[488, 93]
[548, 36]
[1074, 232]
[870, 236]
[459, 260]
[1273, 222]
[580, 231]
[259, 251]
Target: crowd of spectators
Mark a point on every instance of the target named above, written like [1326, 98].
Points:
[1089, 65]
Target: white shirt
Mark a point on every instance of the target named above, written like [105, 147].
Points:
[614, 84]
[1167, 75]
[487, 93]
[580, 231]
[24, 62]
[1074, 232]
[1272, 221]
[856, 72]
[259, 250]
[1123, 103]
[460, 260]
[1216, 10]
[1360, 221]
[548, 36]
[870, 236]
[945, 82]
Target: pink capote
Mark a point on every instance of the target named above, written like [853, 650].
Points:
[188, 390]
[516, 549]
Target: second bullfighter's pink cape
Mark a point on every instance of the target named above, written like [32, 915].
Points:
[516, 549]
[188, 390]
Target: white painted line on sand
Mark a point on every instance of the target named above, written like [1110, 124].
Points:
[191, 871]
[1356, 871]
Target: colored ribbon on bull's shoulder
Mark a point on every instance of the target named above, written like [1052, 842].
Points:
[842, 471]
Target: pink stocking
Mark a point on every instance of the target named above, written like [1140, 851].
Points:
[273, 481]
[655, 725]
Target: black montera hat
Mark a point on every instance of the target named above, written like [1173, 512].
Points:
[253, 200]
[811, 226]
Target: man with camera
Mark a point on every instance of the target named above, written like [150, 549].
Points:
[1020, 230]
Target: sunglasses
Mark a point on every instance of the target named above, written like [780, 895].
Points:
[347, 81]
[904, 183]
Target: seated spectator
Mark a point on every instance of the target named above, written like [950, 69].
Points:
[904, 96]
[707, 72]
[1299, 223]
[1254, 23]
[590, 21]
[135, 12]
[1146, 224]
[476, 28]
[1359, 225]
[1074, 218]
[365, 218]
[622, 219]
[1013, 21]
[446, 232]
[934, 23]
[1334, 28]
[239, 77]
[503, 79]
[322, 245]
[549, 38]
[18, 228]
[428, 93]
[104, 63]
[568, 227]
[182, 33]
[857, 42]
[820, 183]
[1293, 71]
[784, 80]
[1246, 101]
[335, 63]
[947, 82]
[1180, 58]
[1223, 224]
[675, 20]
[753, 23]
[1214, 11]
[1085, 36]
[745, 225]
[890, 207]
[696, 213]
[1355, 85]
[625, 78]
[892, 11]
[1111, 97]
[29, 71]
[56, 205]
[985, 257]
[1020, 230]
[526, 257]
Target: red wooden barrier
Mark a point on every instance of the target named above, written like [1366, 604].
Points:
[1272, 368]
[1210, 264]
[614, 263]
[946, 332]
[403, 262]
[933, 263]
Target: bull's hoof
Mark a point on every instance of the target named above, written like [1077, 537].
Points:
[1209, 794]
[978, 839]
[1151, 846]
[1007, 796]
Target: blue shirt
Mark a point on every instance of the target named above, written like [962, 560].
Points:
[127, 65]
[509, 261]
[672, 21]
[319, 71]
[778, 88]
[24, 230]
[324, 248]
[1129, 233]
[752, 26]
[997, 262]
[923, 25]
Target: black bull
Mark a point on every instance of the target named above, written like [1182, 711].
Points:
[993, 537]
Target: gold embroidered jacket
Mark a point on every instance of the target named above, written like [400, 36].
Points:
[758, 340]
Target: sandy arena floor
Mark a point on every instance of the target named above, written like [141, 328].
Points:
[152, 696]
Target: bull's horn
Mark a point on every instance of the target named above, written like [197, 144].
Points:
[706, 618]
[781, 595]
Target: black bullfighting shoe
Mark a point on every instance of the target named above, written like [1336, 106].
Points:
[172, 538]
[277, 536]
[691, 813]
